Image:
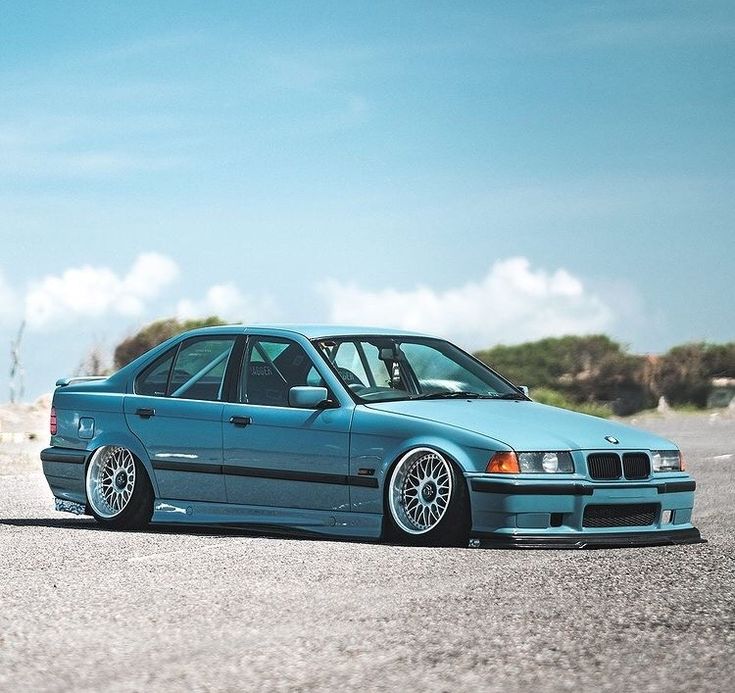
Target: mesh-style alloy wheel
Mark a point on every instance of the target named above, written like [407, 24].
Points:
[420, 491]
[110, 481]
[118, 491]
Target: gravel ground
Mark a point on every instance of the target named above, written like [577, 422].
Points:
[89, 609]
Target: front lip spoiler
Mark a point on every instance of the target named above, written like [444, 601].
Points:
[587, 541]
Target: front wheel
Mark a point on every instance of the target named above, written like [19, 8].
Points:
[427, 500]
[119, 493]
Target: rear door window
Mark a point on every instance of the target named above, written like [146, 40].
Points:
[198, 371]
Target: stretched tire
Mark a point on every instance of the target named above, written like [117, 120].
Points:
[427, 501]
[119, 493]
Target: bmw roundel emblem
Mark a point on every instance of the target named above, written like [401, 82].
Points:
[612, 439]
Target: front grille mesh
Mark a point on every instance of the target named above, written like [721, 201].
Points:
[638, 515]
[604, 465]
[636, 465]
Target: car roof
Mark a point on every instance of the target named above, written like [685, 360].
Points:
[306, 330]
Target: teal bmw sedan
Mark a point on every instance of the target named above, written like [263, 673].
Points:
[354, 432]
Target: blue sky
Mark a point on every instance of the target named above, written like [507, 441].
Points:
[492, 171]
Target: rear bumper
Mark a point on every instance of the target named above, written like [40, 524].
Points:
[589, 540]
[64, 472]
[64, 455]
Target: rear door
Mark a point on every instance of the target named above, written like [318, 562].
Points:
[176, 412]
[276, 455]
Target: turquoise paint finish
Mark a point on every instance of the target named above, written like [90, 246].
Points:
[185, 432]
[526, 426]
[205, 469]
[282, 438]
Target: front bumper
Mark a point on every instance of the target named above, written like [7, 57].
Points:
[541, 513]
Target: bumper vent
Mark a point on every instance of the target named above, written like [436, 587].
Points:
[639, 515]
[604, 465]
[636, 465]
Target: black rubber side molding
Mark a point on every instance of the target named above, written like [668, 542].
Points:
[556, 489]
[67, 455]
[263, 473]
[572, 489]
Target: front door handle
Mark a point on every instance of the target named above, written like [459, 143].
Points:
[240, 420]
[145, 413]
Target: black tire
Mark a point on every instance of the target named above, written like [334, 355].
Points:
[452, 528]
[138, 508]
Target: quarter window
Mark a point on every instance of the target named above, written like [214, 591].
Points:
[153, 380]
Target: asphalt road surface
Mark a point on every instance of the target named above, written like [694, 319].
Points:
[90, 610]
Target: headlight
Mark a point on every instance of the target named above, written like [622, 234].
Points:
[666, 461]
[546, 462]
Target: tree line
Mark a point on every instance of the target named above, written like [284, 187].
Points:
[597, 370]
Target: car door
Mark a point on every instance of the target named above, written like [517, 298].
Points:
[277, 455]
[176, 412]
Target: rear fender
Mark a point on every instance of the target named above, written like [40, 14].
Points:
[127, 440]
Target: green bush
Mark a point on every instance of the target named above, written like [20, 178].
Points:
[554, 398]
[585, 369]
[684, 374]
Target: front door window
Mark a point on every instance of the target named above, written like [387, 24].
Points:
[271, 368]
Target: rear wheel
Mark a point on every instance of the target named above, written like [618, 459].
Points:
[119, 493]
[427, 500]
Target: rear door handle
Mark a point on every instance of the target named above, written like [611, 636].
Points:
[240, 420]
[145, 413]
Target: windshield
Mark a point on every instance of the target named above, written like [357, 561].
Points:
[381, 368]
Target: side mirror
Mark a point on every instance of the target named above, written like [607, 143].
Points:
[523, 389]
[306, 397]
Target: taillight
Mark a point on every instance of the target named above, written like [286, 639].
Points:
[53, 425]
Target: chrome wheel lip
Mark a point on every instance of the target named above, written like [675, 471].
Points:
[110, 481]
[407, 519]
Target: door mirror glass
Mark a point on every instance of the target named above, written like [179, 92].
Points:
[307, 397]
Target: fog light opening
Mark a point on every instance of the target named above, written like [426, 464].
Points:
[556, 519]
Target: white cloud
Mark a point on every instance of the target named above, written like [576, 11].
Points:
[227, 302]
[84, 292]
[511, 303]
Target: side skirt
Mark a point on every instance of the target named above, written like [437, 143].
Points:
[342, 524]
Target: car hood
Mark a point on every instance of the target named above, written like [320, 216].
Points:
[525, 425]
